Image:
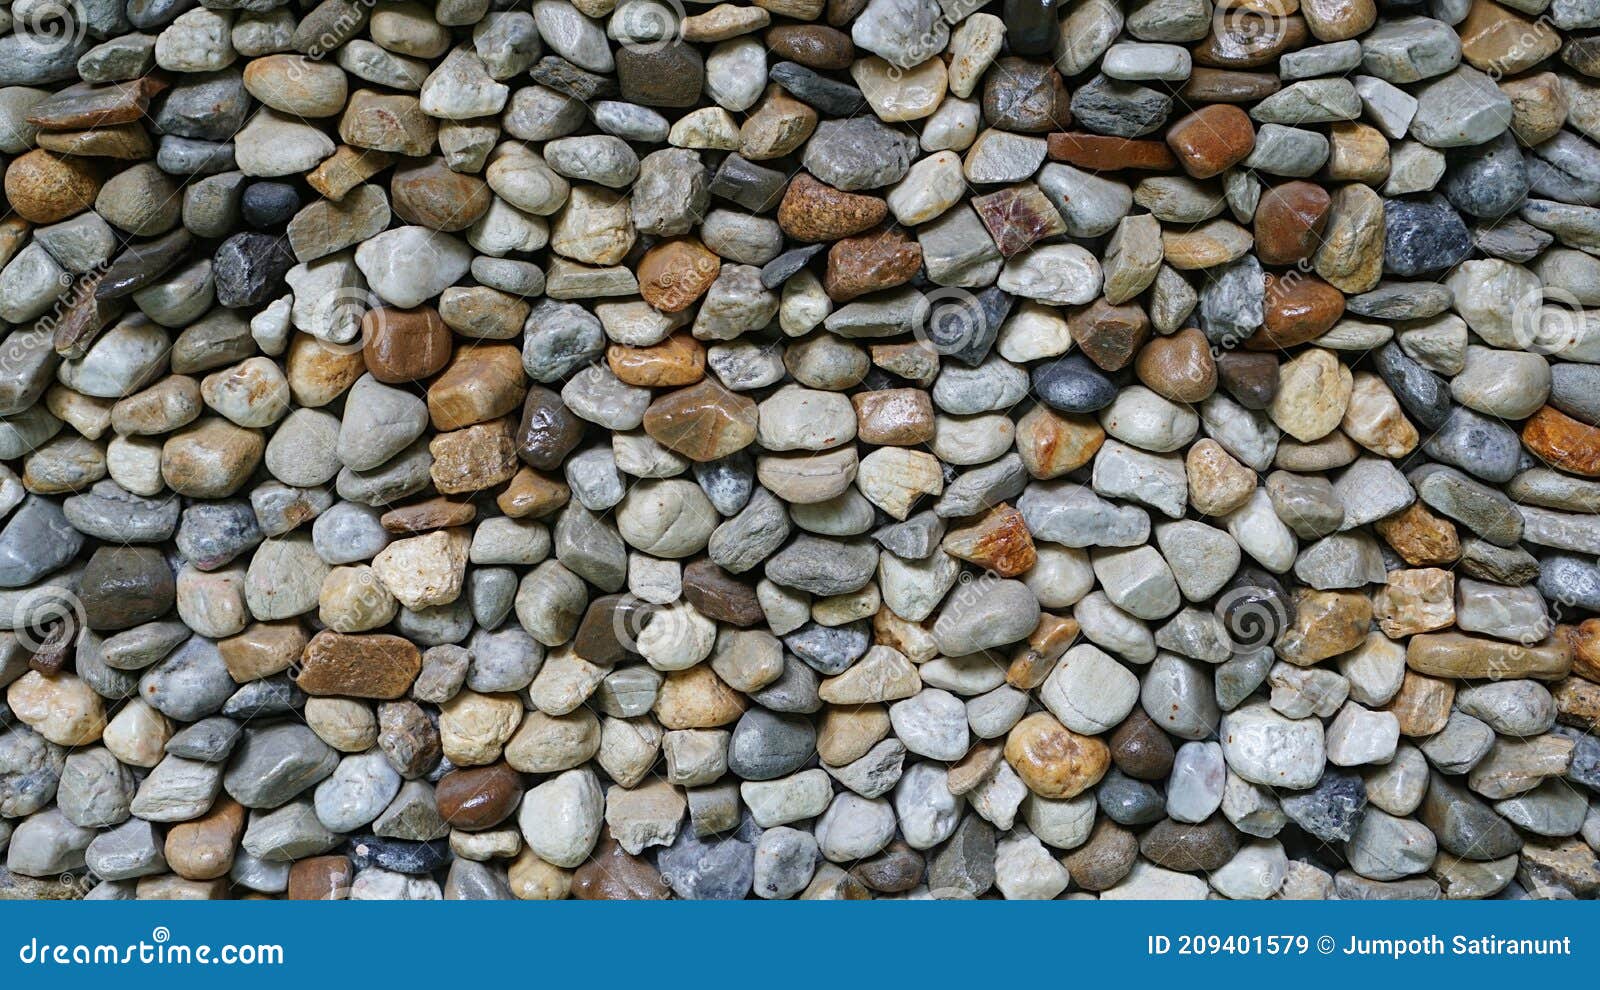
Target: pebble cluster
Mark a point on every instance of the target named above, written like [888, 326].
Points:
[816, 448]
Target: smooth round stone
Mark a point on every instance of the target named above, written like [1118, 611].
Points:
[269, 205]
[1073, 384]
[123, 587]
[765, 745]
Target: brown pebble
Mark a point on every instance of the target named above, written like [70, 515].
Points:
[44, 187]
[1207, 85]
[428, 193]
[1212, 139]
[1248, 39]
[812, 45]
[870, 262]
[675, 273]
[480, 384]
[1103, 153]
[548, 431]
[1102, 862]
[203, 848]
[678, 360]
[1189, 847]
[1252, 379]
[1419, 536]
[1179, 367]
[718, 595]
[1565, 443]
[481, 456]
[704, 422]
[899, 417]
[1053, 443]
[1026, 96]
[366, 666]
[1109, 335]
[263, 649]
[478, 798]
[1052, 760]
[1140, 748]
[1289, 222]
[420, 517]
[814, 211]
[320, 878]
[1019, 216]
[531, 494]
[998, 541]
[611, 874]
[1298, 308]
[402, 345]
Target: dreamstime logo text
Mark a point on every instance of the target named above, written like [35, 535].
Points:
[159, 950]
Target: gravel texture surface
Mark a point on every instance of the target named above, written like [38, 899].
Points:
[818, 448]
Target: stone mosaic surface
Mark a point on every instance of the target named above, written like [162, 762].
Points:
[816, 448]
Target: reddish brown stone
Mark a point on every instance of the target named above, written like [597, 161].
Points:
[1225, 86]
[402, 345]
[1252, 379]
[548, 431]
[675, 273]
[870, 262]
[434, 513]
[532, 495]
[814, 211]
[718, 595]
[703, 422]
[1102, 153]
[428, 193]
[1299, 308]
[482, 383]
[1584, 639]
[1289, 222]
[1018, 217]
[678, 360]
[610, 626]
[1212, 139]
[813, 46]
[478, 798]
[1109, 335]
[1179, 367]
[1420, 537]
[366, 666]
[321, 878]
[1246, 39]
[1563, 442]
[611, 874]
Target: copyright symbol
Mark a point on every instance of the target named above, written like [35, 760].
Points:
[1325, 945]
